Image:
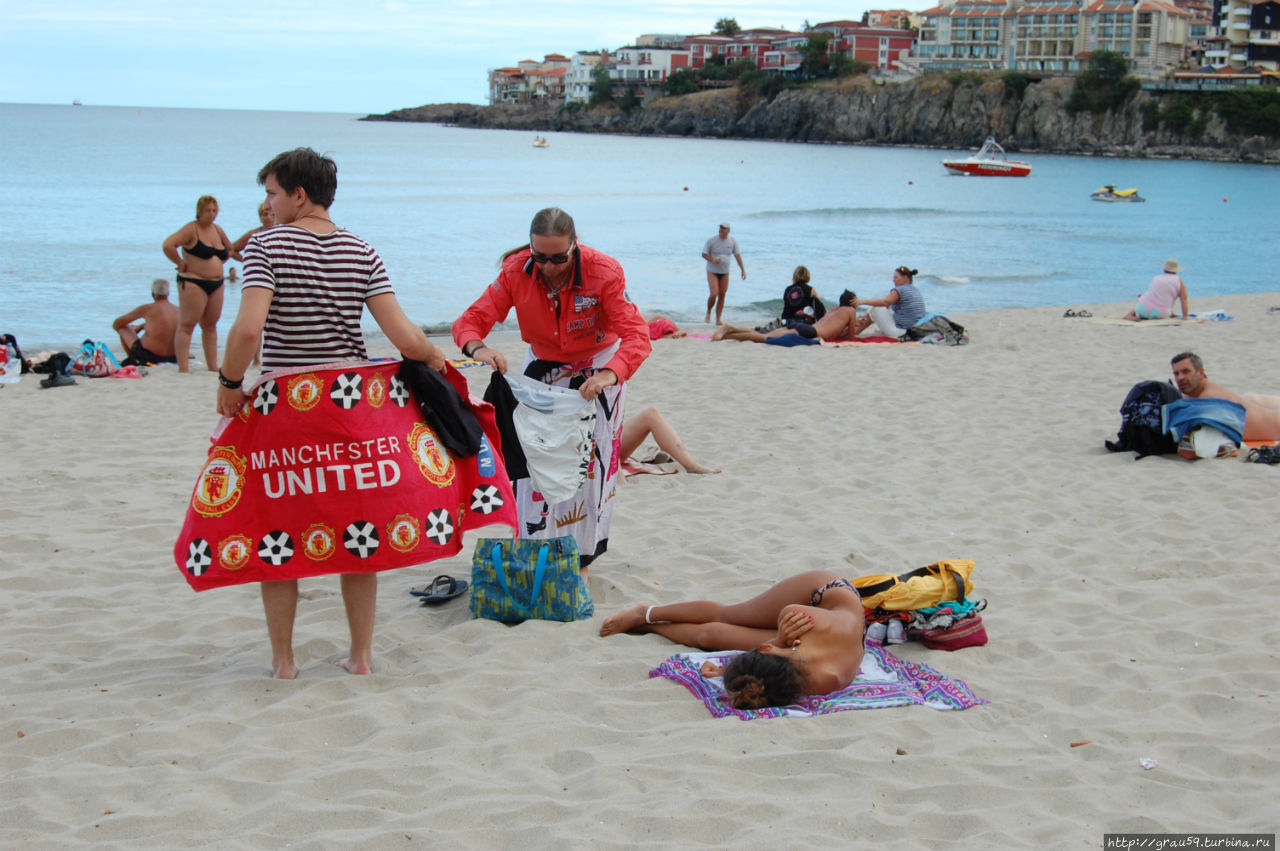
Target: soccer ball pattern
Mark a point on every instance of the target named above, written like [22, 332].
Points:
[361, 539]
[275, 548]
[267, 397]
[198, 556]
[440, 526]
[399, 391]
[347, 390]
[486, 499]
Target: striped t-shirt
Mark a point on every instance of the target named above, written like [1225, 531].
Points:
[909, 307]
[320, 283]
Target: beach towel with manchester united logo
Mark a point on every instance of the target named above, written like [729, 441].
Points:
[334, 469]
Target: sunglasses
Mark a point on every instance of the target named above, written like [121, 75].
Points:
[555, 259]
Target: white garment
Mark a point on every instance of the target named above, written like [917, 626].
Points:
[883, 317]
[555, 425]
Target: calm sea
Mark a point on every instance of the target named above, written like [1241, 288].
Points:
[88, 194]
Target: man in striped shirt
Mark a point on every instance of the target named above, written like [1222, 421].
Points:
[306, 283]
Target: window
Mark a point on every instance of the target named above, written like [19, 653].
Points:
[1144, 49]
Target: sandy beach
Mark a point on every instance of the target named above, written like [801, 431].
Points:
[1121, 612]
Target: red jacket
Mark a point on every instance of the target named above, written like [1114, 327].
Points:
[589, 314]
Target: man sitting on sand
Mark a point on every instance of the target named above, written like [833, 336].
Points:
[841, 323]
[1261, 413]
[159, 322]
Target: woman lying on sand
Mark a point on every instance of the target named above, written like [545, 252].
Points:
[651, 422]
[804, 636]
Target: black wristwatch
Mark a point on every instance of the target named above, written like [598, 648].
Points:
[228, 383]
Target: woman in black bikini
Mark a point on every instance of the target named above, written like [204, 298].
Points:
[205, 248]
[804, 636]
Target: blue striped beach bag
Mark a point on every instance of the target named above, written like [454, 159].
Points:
[514, 580]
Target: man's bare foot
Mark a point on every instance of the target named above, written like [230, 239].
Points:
[625, 620]
[707, 321]
[355, 666]
[719, 333]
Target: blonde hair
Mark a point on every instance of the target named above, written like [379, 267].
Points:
[202, 201]
[800, 275]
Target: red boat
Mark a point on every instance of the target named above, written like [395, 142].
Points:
[988, 162]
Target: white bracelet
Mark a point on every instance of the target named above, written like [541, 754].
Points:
[648, 612]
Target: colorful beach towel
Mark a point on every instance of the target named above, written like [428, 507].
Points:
[334, 469]
[883, 680]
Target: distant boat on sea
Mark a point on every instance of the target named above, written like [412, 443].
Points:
[988, 162]
[540, 142]
[1111, 194]
[76, 102]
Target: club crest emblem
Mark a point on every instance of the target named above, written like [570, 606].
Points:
[318, 542]
[375, 391]
[304, 391]
[432, 457]
[234, 551]
[220, 484]
[402, 532]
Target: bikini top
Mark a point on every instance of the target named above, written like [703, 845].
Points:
[205, 252]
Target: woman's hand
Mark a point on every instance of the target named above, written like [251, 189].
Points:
[591, 388]
[710, 669]
[231, 400]
[793, 623]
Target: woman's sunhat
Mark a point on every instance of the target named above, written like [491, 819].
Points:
[1171, 266]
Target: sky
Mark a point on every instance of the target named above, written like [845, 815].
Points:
[357, 56]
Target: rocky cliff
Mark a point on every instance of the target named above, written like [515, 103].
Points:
[953, 112]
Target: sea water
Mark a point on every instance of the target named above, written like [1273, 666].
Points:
[87, 195]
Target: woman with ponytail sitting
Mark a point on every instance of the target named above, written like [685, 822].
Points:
[803, 636]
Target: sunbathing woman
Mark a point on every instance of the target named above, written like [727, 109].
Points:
[804, 636]
[650, 421]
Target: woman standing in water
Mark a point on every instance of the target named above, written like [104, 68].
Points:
[205, 248]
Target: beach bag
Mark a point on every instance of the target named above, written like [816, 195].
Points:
[921, 588]
[521, 579]
[94, 360]
[12, 363]
[1142, 421]
[970, 632]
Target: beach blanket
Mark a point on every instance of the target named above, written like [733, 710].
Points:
[883, 680]
[868, 341]
[334, 469]
[1108, 320]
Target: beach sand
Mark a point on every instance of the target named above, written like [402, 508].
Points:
[1129, 605]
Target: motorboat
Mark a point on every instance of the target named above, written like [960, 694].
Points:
[989, 161]
[1111, 194]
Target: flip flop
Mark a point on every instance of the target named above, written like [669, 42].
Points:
[442, 589]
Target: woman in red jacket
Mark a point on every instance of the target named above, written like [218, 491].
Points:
[583, 333]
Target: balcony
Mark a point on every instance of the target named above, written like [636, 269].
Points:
[1215, 54]
[1240, 57]
[1242, 25]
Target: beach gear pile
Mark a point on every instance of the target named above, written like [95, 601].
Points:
[930, 604]
[1156, 420]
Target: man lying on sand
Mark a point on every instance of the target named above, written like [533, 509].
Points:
[1261, 413]
[839, 324]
